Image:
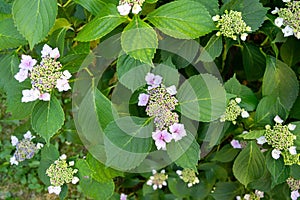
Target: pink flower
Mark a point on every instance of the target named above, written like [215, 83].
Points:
[27, 62]
[45, 97]
[62, 85]
[295, 194]
[21, 75]
[177, 131]
[46, 50]
[143, 99]
[236, 144]
[123, 196]
[161, 138]
[153, 80]
[54, 53]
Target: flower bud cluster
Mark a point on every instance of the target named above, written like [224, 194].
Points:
[232, 25]
[125, 6]
[60, 172]
[160, 102]
[294, 184]
[158, 180]
[289, 18]
[44, 76]
[188, 176]
[233, 111]
[253, 196]
[25, 149]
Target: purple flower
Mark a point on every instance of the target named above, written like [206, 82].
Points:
[295, 194]
[123, 196]
[153, 80]
[236, 144]
[177, 131]
[27, 62]
[143, 99]
[161, 138]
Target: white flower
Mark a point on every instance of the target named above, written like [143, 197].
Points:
[54, 53]
[261, 140]
[259, 193]
[245, 114]
[66, 75]
[28, 135]
[295, 194]
[297, 35]
[276, 153]
[275, 11]
[247, 197]
[238, 100]
[286, 1]
[22, 75]
[63, 157]
[278, 120]
[244, 36]
[27, 62]
[179, 172]
[75, 180]
[13, 161]
[293, 150]
[39, 145]
[123, 196]
[216, 18]
[46, 50]
[136, 9]
[14, 140]
[172, 90]
[291, 127]
[30, 95]
[54, 189]
[62, 85]
[124, 9]
[238, 198]
[278, 21]
[287, 31]
[45, 97]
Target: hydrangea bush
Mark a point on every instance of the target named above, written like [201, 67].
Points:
[148, 99]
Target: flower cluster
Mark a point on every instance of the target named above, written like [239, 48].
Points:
[160, 102]
[60, 172]
[253, 196]
[231, 24]
[25, 149]
[294, 186]
[188, 176]
[289, 18]
[158, 180]
[44, 77]
[282, 140]
[125, 6]
[233, 110]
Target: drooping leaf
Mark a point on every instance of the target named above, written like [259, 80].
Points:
[289, 51]
[139, 40]
[249, 165]
[93, 6]
[8, 68]
[211, 6]
[47, 118]
[34, 19]
[9, 35]
[101, 25]
[212, 49]
[252, 135]
[249, 100]
[226, 154]
[182, 19]
[57, 39]
[226, 190]
[202, 98]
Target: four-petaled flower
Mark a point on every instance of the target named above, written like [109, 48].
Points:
[177, 131]
[236, 144]
[143, 99]
[161, 138]
[276, 154]
[153, 80]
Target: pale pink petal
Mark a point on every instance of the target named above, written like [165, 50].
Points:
[143, 99]
[295, 194]
[236, 144]
[22, 75]
[54, 53]
[172, 90]
[45, 97]
[177, 131]
[276, 154]
[62, 85]
[27, 62]
[66, 75]
[46, 50]
[14, 140]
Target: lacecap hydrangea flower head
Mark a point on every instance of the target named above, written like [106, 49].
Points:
[288, 18]
[158, 179]
[233, 111]
[44, 76]
[232, 25]
[160, 104]
[125, 6]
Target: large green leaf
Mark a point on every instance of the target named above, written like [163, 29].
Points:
[182, 19]
[212, 6]
[47, 118]
[101, 25]
[139, 40]
[9, 35]
[249, 165]
[185, 152]
[249, 100]
[253, 11]
[226, 154]
[289, 51]
[226, 190]
[254, 61]
[212, 49]
[128, 67]
[130, 138]
[34, 19]
[168, 71]
[93, 6]
[8, 68]
[202, 98]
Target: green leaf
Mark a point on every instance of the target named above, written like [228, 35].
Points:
[8, 68]
[253, 12]
[101, 25]
[128, 67]
[249, 165]
[276, 83]
[57, 39]
[47, 118]
[277, 169]
[34, 19]
[202, 98]
[296, 132]
[226, 154]
[212, 49]
[139, 40]
[249, 100]
[212, 6]
[295, 111]
[182, 19]
[226, 190]
[61, 23]
[185, 152]
[289, 51]
[9, 35]
[93, 6]
[169, 73]
[252, 135]
[130, 138]
[254, 61]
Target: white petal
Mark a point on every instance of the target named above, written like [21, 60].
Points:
[244, 36]
[245, 114]
[276, 154]
[291, 127]
[66, 74]
[278, 21]
[216, 18]
[275, 11]
[261, 140]
[172, 90]
[22, 75]
[54, 53]
[293, 150]
[136, 9]
[287, 31]
[39, 145]
[28, 135]
[54, 189]
[179, 172]
[71, 163]
[14, 140]
[63, 157]
[238, 100]
[46, 50]
[124, 9]
[13, 161]
[278, 120]
[45, 97]
[75, 180]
